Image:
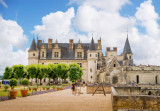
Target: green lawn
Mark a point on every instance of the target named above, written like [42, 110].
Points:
[17, 88]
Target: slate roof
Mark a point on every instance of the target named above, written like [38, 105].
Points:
[125, 56]
[66, 53]
[127, 47]
[33, 45]
[92, 46]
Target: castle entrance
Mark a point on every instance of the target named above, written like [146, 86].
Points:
[114, 80]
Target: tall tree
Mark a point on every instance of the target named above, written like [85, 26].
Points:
[38, 67]
[61, 70]
[43, 71]
[50, 72]
[7, 73]
[75, 72]
[18, 70]
[32, 70]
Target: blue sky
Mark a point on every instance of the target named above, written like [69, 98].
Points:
[78, 19]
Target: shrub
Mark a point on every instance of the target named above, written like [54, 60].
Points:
[13, 82]
[25, 82]
[53, 86]
[47, 87]
[43, 86]
[30, 87]
[6, 87]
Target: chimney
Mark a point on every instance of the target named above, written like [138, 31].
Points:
[114, 48]
[49, 43]
[39, 41]
[99, 44]
[70, 44]
[108, 48]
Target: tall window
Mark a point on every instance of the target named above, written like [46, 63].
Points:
[80, 64]
[98, 55]
[33, 54]
[114, 65]
[90, 69]
[156, 79]
[90, 55]
[137, 78]
[42, 54]
[55, 54]
[130, 57]
[79, 54]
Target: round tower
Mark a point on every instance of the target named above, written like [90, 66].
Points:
[92, 62]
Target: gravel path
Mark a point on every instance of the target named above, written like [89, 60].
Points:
[59, 101]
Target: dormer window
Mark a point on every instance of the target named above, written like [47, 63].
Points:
[79, 54]
[130, 57]
[42, 54]
[55, 54]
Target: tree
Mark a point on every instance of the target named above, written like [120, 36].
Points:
[18, 70]
[50, 71]
[61, 70]
[32, 70]
[7, 73]
[38, 67]
[75, 72]
[43, 70]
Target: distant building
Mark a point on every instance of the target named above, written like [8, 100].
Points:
[109, 68]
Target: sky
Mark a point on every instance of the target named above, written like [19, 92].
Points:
[21, 20]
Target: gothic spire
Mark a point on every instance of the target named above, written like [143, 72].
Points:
[33, 45]
[127, 47]
[92, 45]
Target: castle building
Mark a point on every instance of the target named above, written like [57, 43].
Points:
[109, 68]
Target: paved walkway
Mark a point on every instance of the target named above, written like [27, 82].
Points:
[59, 101]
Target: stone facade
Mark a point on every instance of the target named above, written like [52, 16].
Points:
[109, 68]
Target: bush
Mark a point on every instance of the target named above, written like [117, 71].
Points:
[43, 86]
[47, 87]
[6, 87]
[30, 87]
[25, 82]
[13, 83]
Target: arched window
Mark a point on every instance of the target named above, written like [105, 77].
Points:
[137, 77]
[42, 54]
[114, 65]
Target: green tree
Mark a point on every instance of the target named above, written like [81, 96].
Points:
[7, 73]
[43, 71]
[18, 70]
[38, 67]
[31, 70]
[50, 71]
[75, 72]
[61, 70]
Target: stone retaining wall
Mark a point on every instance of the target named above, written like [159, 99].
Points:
[92, 88]
[136, 102]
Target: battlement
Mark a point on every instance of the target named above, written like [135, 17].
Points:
[109, 49]
[142, 67]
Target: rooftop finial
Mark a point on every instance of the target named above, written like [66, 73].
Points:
[127, 32]
[79, 41]
[56, 41]
[92, 35]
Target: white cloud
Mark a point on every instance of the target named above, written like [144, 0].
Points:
[57, 25]
[3, 3]
[11, 36]
[102, 18]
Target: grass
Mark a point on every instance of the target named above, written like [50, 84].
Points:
[17, 88]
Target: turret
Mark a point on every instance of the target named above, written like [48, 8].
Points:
[128, 51]
[92, 62]
[33, 53]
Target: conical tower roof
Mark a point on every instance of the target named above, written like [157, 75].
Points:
[92, 45]
[127, 48]
[33, 45]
